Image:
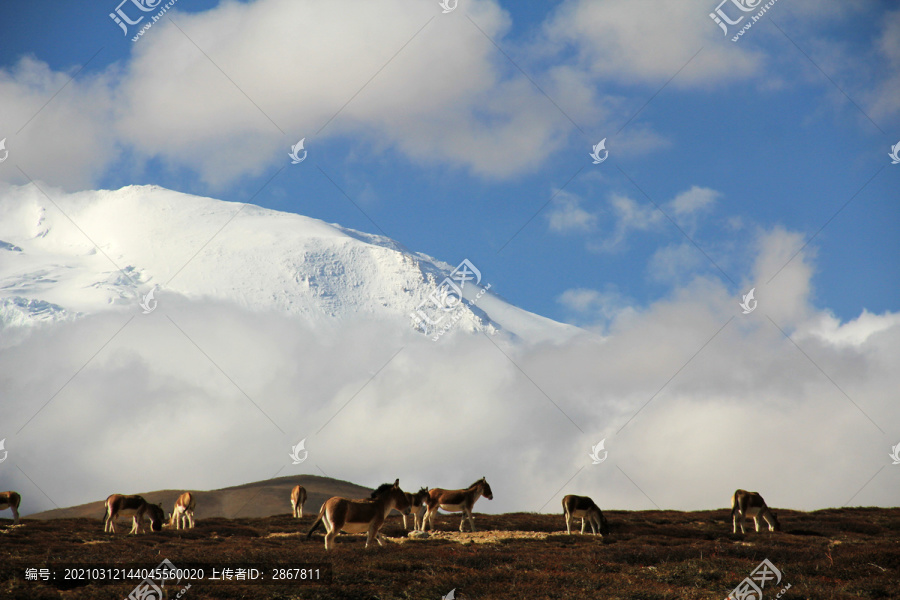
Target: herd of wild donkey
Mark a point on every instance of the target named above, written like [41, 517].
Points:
[367, 516]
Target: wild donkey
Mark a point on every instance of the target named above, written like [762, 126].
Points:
[750, 504]
[456, 501]
[584, 507]
[358, 516]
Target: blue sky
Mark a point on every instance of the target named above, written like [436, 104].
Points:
[757, 128]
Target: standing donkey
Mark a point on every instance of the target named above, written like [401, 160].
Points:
[298, 499]
[456, 501]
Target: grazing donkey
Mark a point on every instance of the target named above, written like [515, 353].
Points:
[118, 505]
[582, 506]
[746, 504]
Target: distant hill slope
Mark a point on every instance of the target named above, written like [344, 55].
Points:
[257, 499]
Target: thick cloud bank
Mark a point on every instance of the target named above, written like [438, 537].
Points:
[203, 395]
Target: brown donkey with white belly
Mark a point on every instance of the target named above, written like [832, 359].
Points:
[118, 505]
[584, 507]
[11, 500]
[360, 516]
[456, 501]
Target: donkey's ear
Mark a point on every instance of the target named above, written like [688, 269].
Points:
[397, 482]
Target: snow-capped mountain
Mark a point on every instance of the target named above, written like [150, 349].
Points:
[83, 253]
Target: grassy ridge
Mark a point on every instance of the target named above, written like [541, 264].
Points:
[256, 499]
[648, 555]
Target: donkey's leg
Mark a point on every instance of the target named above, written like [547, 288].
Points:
[430, 518]
[471, 520]
[738, 518]
[329, 539]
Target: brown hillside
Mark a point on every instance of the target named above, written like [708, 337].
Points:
[250, 500]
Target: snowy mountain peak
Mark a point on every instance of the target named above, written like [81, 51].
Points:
[90, 251]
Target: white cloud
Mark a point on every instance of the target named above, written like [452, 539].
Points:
[855, 333]
[566, 215]
[693, 200]
[463, 112]
[782, 276]
[595, 306]
[634, 216]
[675, 263]
[581, 299]
[637, 139]
[69, 138]
[292, 67]
[868, 70]
[643, 42]
[629, 216]
[883, 98]
[689, 207]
